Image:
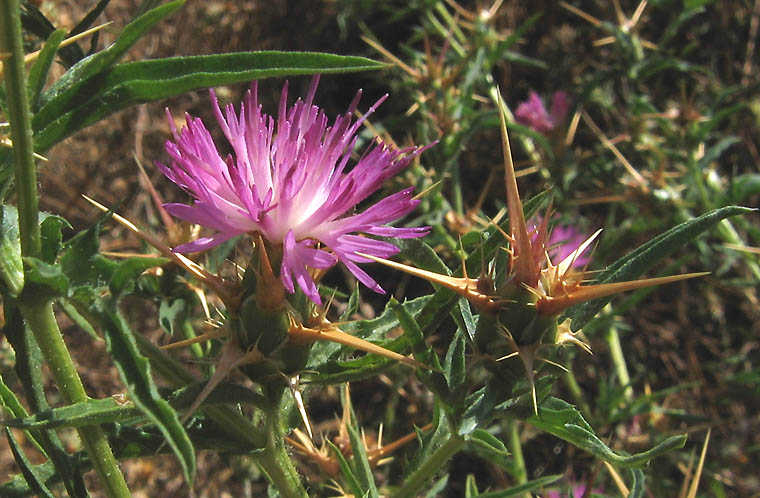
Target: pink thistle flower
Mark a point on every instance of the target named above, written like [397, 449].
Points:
[564, 241]
[533, 113]
[289, 180]
[561, 242]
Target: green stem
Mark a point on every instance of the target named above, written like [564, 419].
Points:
[21, 129]
[41, 321]
[618, 360]
[515, 447]
[40, 316]
[575, 390]
[433, 464]
[274, 460]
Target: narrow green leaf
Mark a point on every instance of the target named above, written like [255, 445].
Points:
[134, 370]
[346, 471]
[73, 313]
[35, 22]
[11, 265]
[128, 84]
[438, 487]
[471, 487]
[562, 420]
[454, 365]
[638, 487]
[533, 485]
[39, 72]
[17, 487]
[36, 482]
[90, 17]
[487, 441]
[361, 464]
[91, 412]
[638, 261]
[104, 59]
[352, 306]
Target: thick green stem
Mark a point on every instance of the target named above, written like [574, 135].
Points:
[40, 317]
[433, 464]
[21, 129]
[41, 321]
[274, 460]
[515, 447]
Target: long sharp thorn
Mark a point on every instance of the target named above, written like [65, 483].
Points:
[553, 305]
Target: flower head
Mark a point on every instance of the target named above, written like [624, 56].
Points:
[289, 180]
[533, 113]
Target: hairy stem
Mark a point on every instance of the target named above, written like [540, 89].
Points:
[275, 460]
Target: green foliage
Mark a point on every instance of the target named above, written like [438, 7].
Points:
[564, 421]
[661, 130]
[11, 267]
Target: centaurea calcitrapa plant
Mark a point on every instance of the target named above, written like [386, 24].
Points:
[289, 189]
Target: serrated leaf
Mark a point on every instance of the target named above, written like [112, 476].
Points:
[50, 233]
[90, 412]
[81, 261]
[562, 420]
[128, 271]
[326, 357]
[43, 281]
[638, 261]
[134, 371]
[36, 482]
[169, 314]
[11, 265]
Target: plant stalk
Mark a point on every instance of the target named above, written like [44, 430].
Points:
[17, 102]
[515, 447]
[40, 316]
[433, 464]
[41, 320]
[618, 360]
[274, 460]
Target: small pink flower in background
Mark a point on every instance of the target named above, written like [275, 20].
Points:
[289, 180]
[533, 113]
[563, 240]
[578, 490]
